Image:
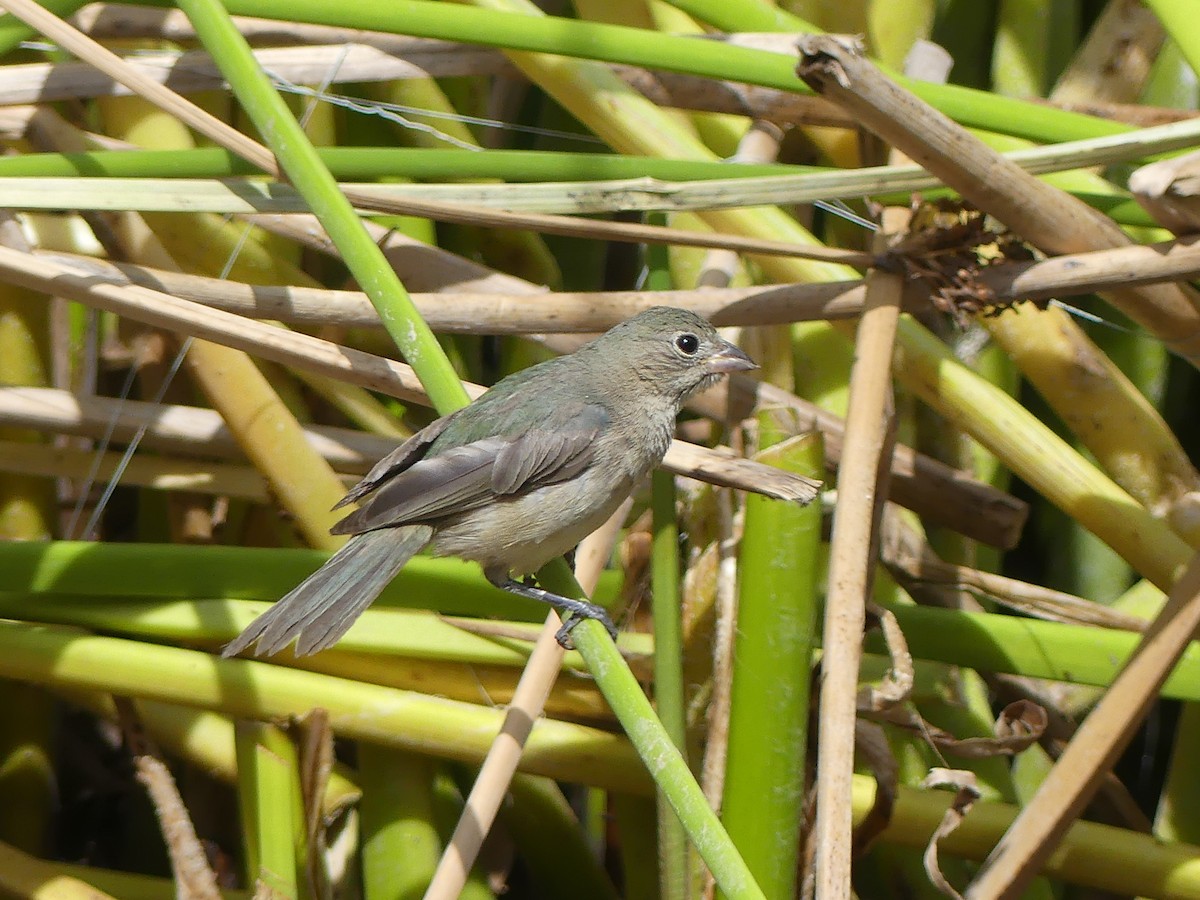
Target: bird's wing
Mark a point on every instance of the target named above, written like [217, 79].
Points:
[542, 456]
[397, 461]
[468, 476]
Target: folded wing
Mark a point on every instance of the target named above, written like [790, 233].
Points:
[465, 477]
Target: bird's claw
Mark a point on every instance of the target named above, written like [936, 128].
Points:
[563, 635]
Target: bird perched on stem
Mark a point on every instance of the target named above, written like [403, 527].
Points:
[513, 480]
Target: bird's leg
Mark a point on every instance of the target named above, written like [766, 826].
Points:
[577, 610]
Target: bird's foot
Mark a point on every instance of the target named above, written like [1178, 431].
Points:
[576, 610]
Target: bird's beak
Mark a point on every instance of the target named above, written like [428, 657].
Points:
[729, 358]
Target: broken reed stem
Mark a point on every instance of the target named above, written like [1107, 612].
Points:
[1090, 755]
[1053, 220]
[868, 423]
[528, 702]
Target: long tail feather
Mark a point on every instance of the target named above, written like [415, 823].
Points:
[322, 608]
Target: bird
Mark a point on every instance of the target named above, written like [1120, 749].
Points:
[512, 480]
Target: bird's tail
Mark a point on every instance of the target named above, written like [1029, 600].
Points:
[322, 608]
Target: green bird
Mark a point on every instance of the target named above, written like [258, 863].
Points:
[513, 480]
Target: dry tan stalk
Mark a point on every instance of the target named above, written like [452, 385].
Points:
[195, 70]
[1035, 833]
[364, 369]
[490, 312]
[1042, 214]
[868, 423]
[1082, 273]
[724, 469]
[528, 703]
[1115, 59]
[177, 429]
[505, 311]
[160, 474]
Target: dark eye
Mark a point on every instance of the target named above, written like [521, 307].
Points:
[688, 344]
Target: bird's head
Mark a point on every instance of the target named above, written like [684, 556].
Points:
[673, 350]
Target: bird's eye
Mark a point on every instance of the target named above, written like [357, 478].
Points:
[688, 344]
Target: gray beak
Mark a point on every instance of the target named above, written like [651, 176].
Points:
[729, 358]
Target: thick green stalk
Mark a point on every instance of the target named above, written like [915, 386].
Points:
[305, 170]
[668, 672]
[270, 807]
[777, 629]
[1170, 82]
[132, 571]
[400, 842]
[62, 657]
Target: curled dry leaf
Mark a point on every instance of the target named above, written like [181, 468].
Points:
[967, 793]
[1019, 725]
[896, 686]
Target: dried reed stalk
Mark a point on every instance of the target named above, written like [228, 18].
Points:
[852, 555]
